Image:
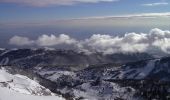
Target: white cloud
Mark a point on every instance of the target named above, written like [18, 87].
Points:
[52, 40]
[155, 4]
[42, 3]
[163, 44]
[140, 15]
[20, 41]
[156, 40]
[44, 40]
[131, 42]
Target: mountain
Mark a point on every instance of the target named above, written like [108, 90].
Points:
[6, 94]
[78, 76]
[19, 87]
[22, 84]
[33, 57]
[137, 80]
[156, 69]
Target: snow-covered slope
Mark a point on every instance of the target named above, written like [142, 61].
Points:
[157, 69]
[134, 76]
[138, 71]
[104, 91]
[22, 84]
[56, 74]
[7, 94]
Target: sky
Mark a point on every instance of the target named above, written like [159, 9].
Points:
[78, 19]
[47, 10]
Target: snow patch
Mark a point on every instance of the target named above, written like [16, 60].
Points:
[22, 84]
[6, 94]
[54, 75]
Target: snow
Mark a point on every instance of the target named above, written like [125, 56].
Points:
[146, 70]
[6, 94]
[7, 51]
[162, 67]
[103, 91]
[4, 61]
[130, 72]
[4, 76]
[22, 84]
[2, 49]
[20, 87]
[54, 75]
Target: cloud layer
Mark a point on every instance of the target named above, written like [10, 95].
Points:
[156, 4]
[52, 40]
[41, 3]
[156, 40]
[21, 41]
[140, 15]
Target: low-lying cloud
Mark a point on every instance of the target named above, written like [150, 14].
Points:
[41, 3]
[21, 41]
[52, 40]
[156, 40]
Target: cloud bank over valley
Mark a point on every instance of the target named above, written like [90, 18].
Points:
[156, 40]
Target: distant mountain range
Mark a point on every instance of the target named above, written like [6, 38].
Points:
[31, 58]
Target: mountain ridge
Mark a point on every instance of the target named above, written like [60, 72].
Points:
[131, 78]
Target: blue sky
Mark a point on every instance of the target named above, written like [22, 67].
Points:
[11, 12]
[81, 18]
